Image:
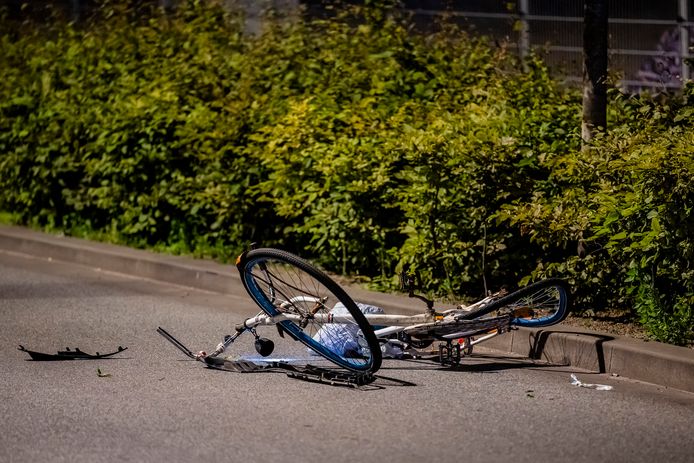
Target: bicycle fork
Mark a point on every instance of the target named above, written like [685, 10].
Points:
[263, 346]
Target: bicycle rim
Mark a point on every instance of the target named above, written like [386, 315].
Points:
[282, 283]
[544, 303]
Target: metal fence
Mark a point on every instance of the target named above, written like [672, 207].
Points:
[649, 40]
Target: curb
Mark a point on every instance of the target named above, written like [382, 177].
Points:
[178, 270]
[652, 362]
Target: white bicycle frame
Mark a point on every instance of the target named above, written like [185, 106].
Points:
[393, 323]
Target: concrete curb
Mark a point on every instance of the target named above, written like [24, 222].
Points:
[651, 362]
[195, 273]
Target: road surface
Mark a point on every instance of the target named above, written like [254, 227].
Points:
[155, 405]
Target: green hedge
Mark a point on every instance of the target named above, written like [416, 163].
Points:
[353, 141]
[628, 204]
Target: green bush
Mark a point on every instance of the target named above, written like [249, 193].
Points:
[401, 147]
[127, 129]
[627, 204]
[353, 141]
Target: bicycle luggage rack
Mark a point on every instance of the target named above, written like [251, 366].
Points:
[307, 372]
[325, 376]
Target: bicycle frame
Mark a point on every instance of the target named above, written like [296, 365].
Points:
[396, 323]
[429, 321]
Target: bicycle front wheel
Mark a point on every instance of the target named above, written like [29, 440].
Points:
[544, 303]
[282, 283]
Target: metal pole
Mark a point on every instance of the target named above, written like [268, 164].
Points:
[682, 19]
[595, 38]
[76, 10]
[524, 39]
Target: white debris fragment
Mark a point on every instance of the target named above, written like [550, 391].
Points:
[599, 387]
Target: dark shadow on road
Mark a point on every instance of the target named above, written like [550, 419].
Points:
[475, 363]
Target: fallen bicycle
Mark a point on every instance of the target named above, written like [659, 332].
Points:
[305, 304]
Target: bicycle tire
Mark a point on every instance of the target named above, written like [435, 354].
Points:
[281, 282]
[545, 302]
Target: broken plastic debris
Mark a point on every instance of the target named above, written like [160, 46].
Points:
[68, 354]
[599, 387]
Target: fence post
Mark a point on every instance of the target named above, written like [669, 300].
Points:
[682, 19]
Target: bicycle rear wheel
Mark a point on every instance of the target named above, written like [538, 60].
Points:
[282, 283]
[544, 303]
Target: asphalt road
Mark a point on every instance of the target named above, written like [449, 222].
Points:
[158, 406]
